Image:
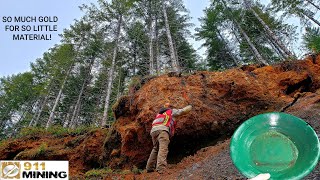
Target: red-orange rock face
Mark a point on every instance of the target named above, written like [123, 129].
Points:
[221, 101]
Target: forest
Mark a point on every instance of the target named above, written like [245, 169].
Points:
[117, 44]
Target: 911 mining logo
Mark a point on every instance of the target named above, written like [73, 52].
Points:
[20, 170]
[10, 170]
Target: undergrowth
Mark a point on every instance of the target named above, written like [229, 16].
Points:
[56, 131]
[137, 82]
[134, 84]
[136, 170]
[101, 173]
[95, 173]
[1, 142]
[41, 150]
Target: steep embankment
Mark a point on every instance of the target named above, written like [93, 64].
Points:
[83, 150]
[221, 101]
[214, 162]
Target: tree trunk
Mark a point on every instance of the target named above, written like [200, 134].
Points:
[49, 122]
[157, 59]
[27, 110]
[252, 47]
[310, 17]
[151, 67]
[98, 106]
[228, 49]
[76, 122]
[110, 78]
[36, 117]
[66, 122]
[134, 57]
[37, 111]
[119, 85]
[35, 122]
[268, 30]
[151, 58]
[67, 117]
[77, 106]
[276, 48]
[176, 53]
[174, 61]
[316, 6]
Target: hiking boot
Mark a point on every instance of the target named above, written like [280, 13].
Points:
[161, 171]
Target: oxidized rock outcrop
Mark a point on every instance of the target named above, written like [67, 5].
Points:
[221, 102]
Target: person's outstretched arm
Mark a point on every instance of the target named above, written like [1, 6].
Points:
[179, 112]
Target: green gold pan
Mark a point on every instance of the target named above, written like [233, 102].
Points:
[277, 143]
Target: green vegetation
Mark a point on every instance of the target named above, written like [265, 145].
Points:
[136, 170]
[134, 84]
[2, 142]
[312, 39]
[125, 172]
[32, 131]
[95, 173]
[42, 150]
[101, 173]
[56, 131]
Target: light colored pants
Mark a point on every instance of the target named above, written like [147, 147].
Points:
[158, 155]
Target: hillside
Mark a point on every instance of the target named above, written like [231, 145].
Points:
[221, 101]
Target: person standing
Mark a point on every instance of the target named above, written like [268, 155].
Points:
[163, 128]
